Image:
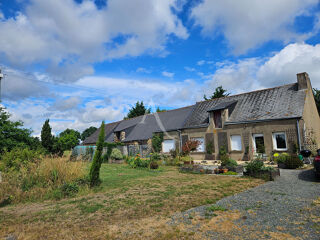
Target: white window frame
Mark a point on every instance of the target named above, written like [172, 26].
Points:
[232, 146]
[254, 140]
[274, 141]
[201, 147]
[174, 145]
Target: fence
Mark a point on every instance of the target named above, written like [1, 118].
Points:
[86, 153]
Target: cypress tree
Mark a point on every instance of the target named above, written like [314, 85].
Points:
[46, 136]
[97, 159]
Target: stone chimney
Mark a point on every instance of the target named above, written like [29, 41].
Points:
[303, 81]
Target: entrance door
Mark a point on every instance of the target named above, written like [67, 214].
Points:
[258, 143]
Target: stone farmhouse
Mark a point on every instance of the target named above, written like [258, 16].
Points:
[279, 119]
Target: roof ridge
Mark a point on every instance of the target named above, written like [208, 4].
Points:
[255, 91]
[156, 112]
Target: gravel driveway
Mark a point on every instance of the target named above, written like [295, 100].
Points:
[284, 209]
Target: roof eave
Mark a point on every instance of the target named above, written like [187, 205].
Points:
[260, 120]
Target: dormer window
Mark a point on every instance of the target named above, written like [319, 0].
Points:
[217, 119]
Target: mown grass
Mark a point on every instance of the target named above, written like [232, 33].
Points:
[130, 203]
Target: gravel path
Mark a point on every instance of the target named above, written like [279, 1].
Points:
[283, 209]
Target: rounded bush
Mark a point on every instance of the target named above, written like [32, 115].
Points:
[116, 154]
[293, 162]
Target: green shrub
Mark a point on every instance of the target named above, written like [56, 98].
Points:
[157, 140]
[222, 151]
[116, 154]
[293, 162]
[281, 158]
[155, 156]
[229, 173]
[69, 189]
[186, 158]
[17, 158]
[228, 162]
[137, 162]
[209, 147]
[254, 166]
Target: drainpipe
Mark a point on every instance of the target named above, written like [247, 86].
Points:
[298, 130]
[180, 141]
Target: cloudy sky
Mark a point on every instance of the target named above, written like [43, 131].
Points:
[78, 62]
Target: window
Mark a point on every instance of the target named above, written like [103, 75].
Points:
[217, 119]
[258, 143]
[201, 146]
[168, 145]
[236, 144]
[280, 141]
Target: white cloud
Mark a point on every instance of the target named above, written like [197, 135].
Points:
[68, 36]
[167, 74]
[247, 24]
[201, 62]
[295, 58]
[18, 85]
[143, 70]
[256, 73]
[190, 69]
[66, 104]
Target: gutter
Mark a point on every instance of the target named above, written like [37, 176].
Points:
[298, 131]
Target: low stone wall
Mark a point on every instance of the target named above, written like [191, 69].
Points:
[198, 169]
[268, 175]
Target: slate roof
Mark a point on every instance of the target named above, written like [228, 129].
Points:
[158, 122]
[109, 128]
[142, 127]
[282, 102]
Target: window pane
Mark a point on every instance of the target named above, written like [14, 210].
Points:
[236, 143]
[167, 145]
[281, 141]
[201, 146]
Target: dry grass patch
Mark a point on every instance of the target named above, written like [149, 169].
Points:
[130, 203]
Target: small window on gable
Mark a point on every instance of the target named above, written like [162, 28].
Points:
[217, 119]
[280, 141]
[236, 143]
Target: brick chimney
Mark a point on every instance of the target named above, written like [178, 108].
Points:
[303, 81]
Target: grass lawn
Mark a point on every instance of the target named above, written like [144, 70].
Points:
[130, 203]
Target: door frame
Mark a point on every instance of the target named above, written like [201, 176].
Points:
[254, 140]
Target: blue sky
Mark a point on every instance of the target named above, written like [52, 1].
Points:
[81, 62]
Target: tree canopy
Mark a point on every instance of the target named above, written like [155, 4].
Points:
[138, 110]
[87, 132]
[46, 136]
[160, 110]
[218, 93]
[12, 134]
[68, 139]
[316, 94]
